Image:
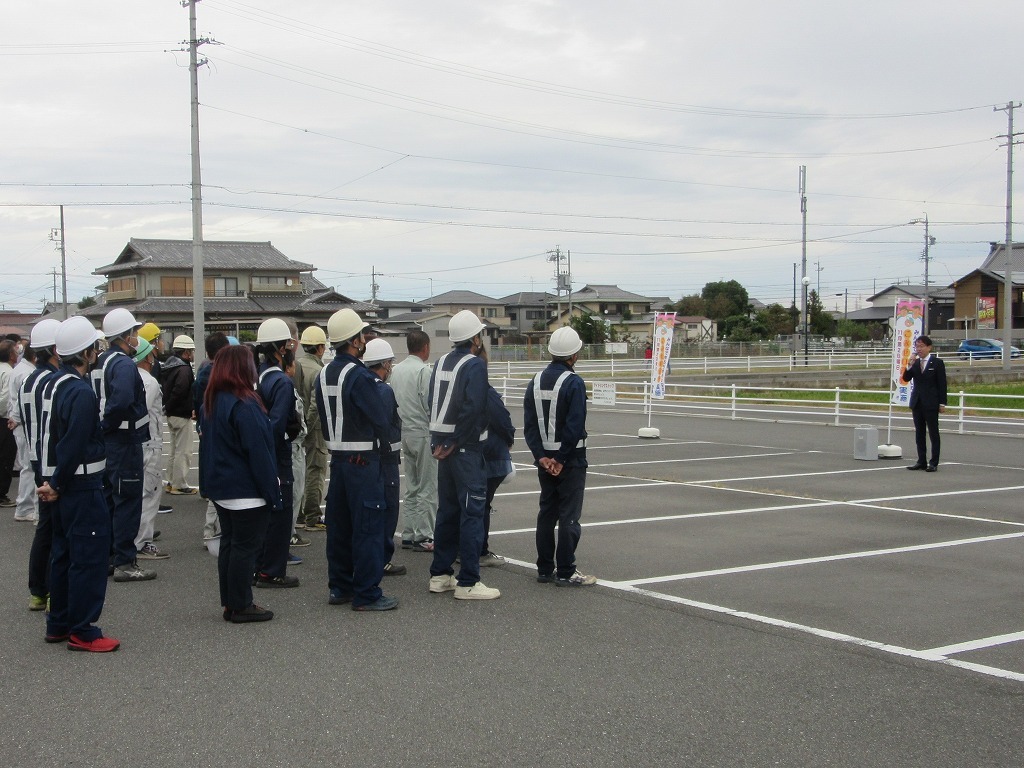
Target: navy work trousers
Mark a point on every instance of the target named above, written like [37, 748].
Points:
[273, 558]
[78, 563]
[561, 504]
[122, 487]
[356, 515]
[459, 528]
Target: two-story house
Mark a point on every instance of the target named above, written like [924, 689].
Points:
[243, 284]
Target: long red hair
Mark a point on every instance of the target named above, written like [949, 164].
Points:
[234, 372]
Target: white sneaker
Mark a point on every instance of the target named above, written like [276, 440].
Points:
[478, 591]
[443, 583]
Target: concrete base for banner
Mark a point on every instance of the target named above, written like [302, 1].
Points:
[890, 452]
[650, 433]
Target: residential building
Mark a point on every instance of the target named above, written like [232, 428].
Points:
[981, 294]
[527, 312]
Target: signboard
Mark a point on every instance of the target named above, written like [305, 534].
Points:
[615, 347]
[907, 326]
[603, 393]
[986, 311]
[664, 325]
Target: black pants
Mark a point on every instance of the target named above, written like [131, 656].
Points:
[39, 555]
[561, 503]
[242, 534]
[8, 452]
[926, 419]
[492, 488]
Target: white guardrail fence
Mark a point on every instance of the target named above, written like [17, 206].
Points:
[967, 413]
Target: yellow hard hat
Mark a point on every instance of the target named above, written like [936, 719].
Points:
[149, 332]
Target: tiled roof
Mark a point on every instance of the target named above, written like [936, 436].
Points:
[459, 297]
[217, 254]
[605, 293]
[528, 297]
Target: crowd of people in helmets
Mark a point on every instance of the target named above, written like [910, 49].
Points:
[272, 426]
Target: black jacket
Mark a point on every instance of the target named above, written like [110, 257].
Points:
[176, 381]
[929, 390]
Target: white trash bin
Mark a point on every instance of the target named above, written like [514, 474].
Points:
[865, 443]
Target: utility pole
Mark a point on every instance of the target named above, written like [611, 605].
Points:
[373, 285]
[57, 235]
[818, 269]
[198, 285]
[560, 282]
[929, 241]
[1008, 277]
[803, 257]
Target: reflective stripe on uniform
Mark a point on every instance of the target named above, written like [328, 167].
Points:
[549, 435]
[440, 410]
[333, 413]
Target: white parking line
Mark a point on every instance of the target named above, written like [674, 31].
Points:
[822, 559]
[976, 645]
[930, 656]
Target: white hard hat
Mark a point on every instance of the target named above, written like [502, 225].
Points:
[117, 321]
[344, 325]
[464, 326]
[183, 342]
[565, 342]
[272, 329]
[313, 336]
[377, 351]
[75, 334]
[44, 333]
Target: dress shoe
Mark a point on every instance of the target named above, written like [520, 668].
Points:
[931, 468]
[916, 466]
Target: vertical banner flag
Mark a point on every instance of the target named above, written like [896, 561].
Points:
[986, 312]
[664, 325]
[908, 325]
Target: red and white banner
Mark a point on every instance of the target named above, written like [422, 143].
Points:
[907, 326]
[664, 325]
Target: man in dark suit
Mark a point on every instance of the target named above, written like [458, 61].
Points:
[927, 399]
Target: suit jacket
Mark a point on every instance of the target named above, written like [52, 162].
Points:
[929, 390]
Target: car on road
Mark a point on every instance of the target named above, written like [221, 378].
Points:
[982, 348]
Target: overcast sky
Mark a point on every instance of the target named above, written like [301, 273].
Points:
[453, 144]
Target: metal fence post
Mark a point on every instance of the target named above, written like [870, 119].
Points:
[734, 402]
[963, 407]
[837, 406]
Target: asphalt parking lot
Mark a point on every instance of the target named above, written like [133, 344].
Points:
[765, 599]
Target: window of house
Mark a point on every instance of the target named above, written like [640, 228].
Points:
[175, 286]
[268, 281]
[225, 286]
[118, 284]
[490, 312]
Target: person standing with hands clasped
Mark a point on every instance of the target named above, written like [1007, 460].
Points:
[555, 428]
[927, 400]
[458, 431]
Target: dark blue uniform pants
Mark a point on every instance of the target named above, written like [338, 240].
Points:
[561, 503]
[122, 487]
[242, 532]
[273, 558]
[392, 495]
[459, 528]
[356, 514]
[926, 419]
[78, 564]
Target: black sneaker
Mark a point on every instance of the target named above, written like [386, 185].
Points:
[390, 569]
[337, 598]
[547, 578]
[252, 613]
[279, 582]
[382, 603]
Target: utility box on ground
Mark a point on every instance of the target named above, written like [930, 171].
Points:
[865, 443]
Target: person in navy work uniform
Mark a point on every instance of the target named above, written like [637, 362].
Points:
[238, 473]
[72, 462]
[124, 419]
[379, 358]
[927, 400]
[355, 424]
[30, 404]
[555, 428]
[458, 430]
[274, 339]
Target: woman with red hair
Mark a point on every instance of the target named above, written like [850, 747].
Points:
[238, 473]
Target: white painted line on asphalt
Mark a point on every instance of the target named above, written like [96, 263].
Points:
[822, 559]
[794, 475]
[976, 645]
[826, 634]
[962, 492]
[701, 458]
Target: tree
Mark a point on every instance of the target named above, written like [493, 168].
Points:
[822, 322]
[725, 298]
[853, 331]
[774, 320]
[87, 301]
[591, 328]
[691, 306]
